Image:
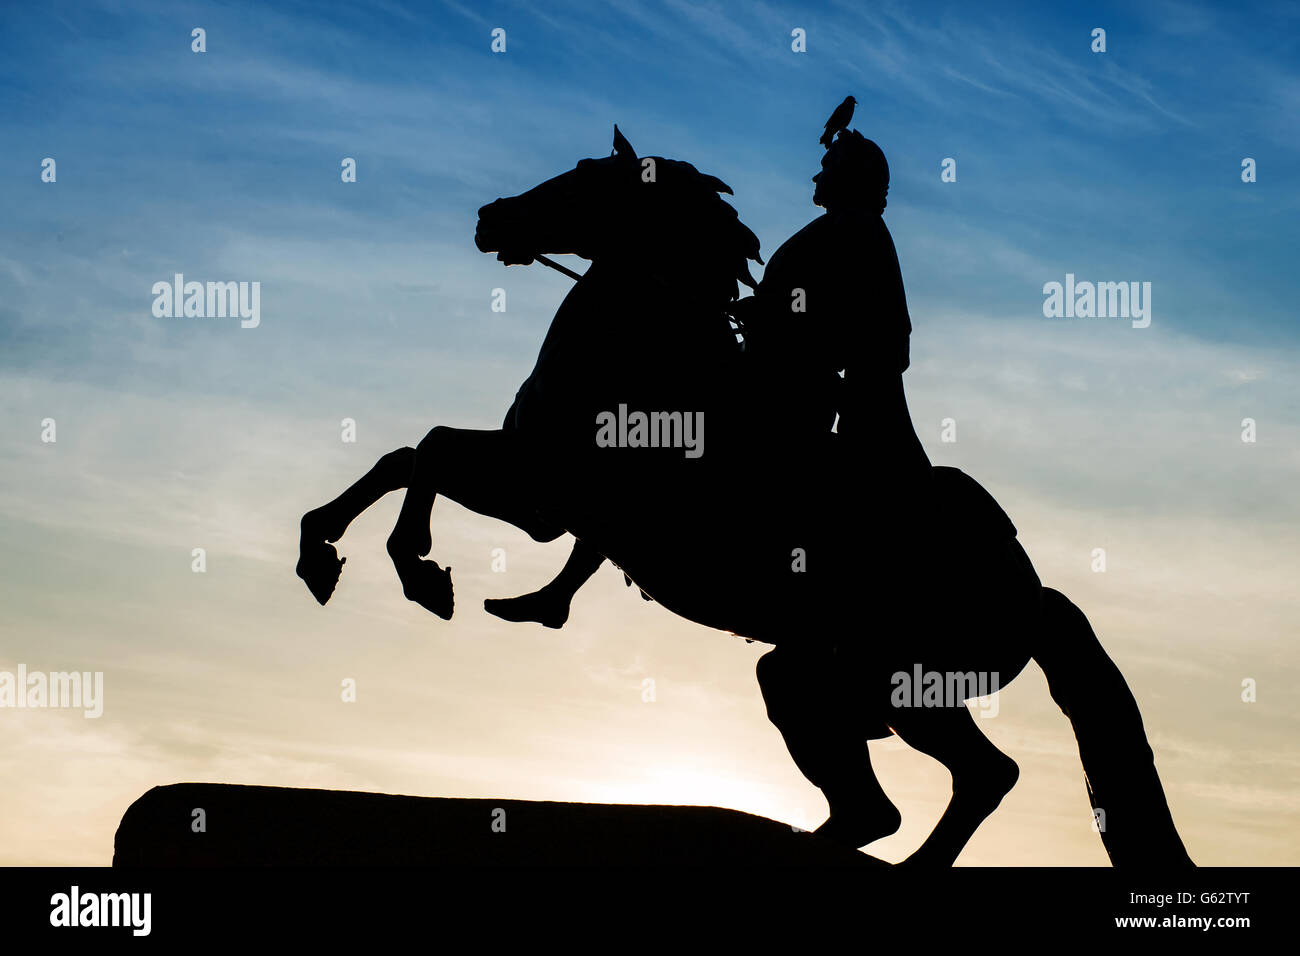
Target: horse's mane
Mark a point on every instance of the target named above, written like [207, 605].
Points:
[704, 223]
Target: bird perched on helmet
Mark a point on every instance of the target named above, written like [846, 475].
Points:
[839, 120]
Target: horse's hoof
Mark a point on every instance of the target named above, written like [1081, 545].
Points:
[856, 830]
[428, 586]
[319, 565]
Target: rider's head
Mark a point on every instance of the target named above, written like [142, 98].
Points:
[854, 174]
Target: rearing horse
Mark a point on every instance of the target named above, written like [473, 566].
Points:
[711, 537]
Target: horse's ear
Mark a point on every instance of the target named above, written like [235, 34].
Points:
[622, 148]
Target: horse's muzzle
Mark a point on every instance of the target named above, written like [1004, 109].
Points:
[499, 232]
[491, 227]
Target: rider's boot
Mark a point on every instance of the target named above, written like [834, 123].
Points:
[550, 605]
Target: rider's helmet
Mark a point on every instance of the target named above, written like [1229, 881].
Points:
[854, 172]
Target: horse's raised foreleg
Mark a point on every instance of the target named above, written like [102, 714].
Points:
[481, 470]
[318, 562]
[981, 775]
[810, 701]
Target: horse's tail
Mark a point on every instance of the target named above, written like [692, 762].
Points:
[1119, 768]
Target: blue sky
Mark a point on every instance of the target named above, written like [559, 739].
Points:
[1122, 164]
[375, 305]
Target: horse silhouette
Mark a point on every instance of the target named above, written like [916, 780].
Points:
[766, 534]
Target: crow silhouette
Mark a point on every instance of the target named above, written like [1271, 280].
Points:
[839, 120]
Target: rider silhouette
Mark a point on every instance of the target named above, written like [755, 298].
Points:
[832, 301]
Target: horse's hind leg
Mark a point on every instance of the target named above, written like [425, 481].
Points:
[477, 469]
[981, 775]
[318, 562]
[810, 702]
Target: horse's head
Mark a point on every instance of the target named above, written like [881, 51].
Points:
[662, 210]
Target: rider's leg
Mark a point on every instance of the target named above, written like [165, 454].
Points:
[477, 469]
[809, 700]
[981, 775]
[318, 562]
[550, 604]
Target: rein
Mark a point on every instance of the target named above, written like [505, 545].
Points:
[557, 267]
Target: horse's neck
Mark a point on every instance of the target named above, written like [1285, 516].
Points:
[576, 321]
[621, 309]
